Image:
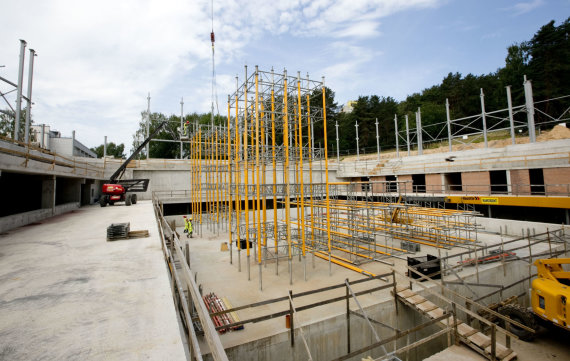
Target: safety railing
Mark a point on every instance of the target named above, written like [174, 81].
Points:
[183, 280]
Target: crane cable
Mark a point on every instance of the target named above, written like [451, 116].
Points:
[214, 88]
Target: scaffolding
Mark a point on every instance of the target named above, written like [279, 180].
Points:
[261, 178]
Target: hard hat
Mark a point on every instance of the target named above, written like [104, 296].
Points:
[183, 216]
[190, 218]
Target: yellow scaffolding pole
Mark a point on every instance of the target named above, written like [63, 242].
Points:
[200, 173]
[263, 175]
[300, 145]
[326, 166]
[237, 180]
[257, 180]
[309, 131]
[229, 178]
[273, 140]
[286, 166]
[246, 170]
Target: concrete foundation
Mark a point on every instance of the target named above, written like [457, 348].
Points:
[68, 294]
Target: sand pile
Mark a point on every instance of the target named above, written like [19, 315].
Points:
[558, 132]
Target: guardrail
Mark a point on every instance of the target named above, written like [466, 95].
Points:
[184, 280]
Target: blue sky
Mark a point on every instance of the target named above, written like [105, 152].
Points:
[97, 61]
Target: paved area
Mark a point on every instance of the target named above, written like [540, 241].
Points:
[67, 293]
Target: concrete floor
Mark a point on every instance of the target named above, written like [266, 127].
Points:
[216, 274]
[67, 293]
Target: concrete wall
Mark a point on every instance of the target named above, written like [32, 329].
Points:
[476, 182]
[515, 228]
[163, 180]
[22, 219]
[327, 339]
[558, 179]
[520, 181]
[378, 187]
[408, 186]
[434, 182]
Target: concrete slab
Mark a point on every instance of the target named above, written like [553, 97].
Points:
[216, 274]
[456, 353]
[67, 293]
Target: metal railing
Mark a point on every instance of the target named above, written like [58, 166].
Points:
[183, 280]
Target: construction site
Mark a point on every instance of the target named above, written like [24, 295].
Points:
[294, 254]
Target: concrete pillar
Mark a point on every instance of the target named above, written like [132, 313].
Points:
[19, 90]
[73, 143]
[29, 109]
[48, 192]
[509, 185]
[529, 104]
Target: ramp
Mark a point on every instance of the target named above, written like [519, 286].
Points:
[470, 336]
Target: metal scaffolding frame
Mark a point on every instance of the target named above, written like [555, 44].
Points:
[255, 177]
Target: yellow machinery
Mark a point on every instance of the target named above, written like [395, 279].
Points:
[551, 290]
[549, 294]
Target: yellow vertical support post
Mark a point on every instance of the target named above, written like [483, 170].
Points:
[286, 173]
[295, 122]
[200, 174]
[254, 208]
[237, 197]
[310, 130]
[263, 176]
[191, 159]
[246, 175]
[218, 178]
[195, 172]
[194, 185]
[257, 181]
[229, 183]
[204, 167]
[210, 180]
[302, 195]
[274, 165]
[327, 202]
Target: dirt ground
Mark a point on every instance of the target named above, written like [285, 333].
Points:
[549, 344]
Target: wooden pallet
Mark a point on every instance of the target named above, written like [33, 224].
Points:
[467, 334]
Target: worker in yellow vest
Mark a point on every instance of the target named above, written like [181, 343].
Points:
[188, 227]
[186, 125]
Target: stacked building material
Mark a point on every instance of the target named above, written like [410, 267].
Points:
[118, 231]
[214, 305]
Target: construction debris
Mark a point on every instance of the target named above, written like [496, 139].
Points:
[494, 256]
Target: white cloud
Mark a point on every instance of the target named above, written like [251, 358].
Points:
[525, 7]
[98, 60]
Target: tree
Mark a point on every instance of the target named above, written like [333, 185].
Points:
[549, 69]
[7, 119]
[316, 99]
[114, 150]
[169, 147]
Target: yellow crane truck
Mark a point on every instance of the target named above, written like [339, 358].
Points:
[548, 298]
